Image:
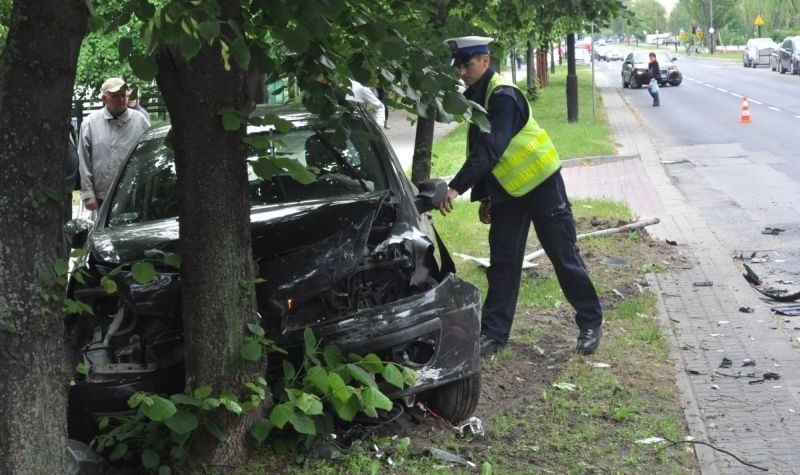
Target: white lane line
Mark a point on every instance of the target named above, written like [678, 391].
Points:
[736, 95]
[775, 109]
[756, 102]
[709, 85]
[797, 117]
[721, 90]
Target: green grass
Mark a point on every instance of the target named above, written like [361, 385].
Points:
[587, 138]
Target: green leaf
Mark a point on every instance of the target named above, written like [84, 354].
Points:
[164, 470]
[214, 429]
[309, 342]
[297, 40]
[11, 328]
[190, 46]
[455, 102]
[230, 119]
[150, 459]
[372, 363]
[309, 404]
[182, 422]
[362, 376]
[250, 350]
[209, 30]
[125, 47]
[409, 376]
[144, 67]
[372, 397]
[186, 400]
[143, 272]
[261, 429]
[339, 389]
[303, 424]
[173, 260]
[119, 451]
[295, 169]
[281, 414]
[392, 375]
[96, 23]
[318, 377]
[157, 408]
[231, 405]
[241, 53]
[332, 356]
[288, 370]
[256, 329]
[202, 392]
[109, 285]
[82, 368]
[346, 409]
[61, 267]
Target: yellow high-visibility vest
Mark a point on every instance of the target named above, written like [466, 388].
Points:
[530, 157]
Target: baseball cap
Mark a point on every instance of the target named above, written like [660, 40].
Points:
[112, 85]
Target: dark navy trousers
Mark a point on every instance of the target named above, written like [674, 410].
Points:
[550, 212]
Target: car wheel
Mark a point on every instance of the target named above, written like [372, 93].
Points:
[780, 68]
[625, 84]
[791, 68]
[455, 401]
[676, 83]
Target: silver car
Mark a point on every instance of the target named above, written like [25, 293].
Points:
[757, 52]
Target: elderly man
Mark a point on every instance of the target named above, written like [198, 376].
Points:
[515, 172]
[106, 137]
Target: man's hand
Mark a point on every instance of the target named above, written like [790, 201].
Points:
[91, 203]
[447, 203]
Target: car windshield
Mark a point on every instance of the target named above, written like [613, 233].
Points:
[642, 57]
[147, 188]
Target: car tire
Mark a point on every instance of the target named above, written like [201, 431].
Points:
[625, 85]
[455, 401]
[676, 83]
[780, 68]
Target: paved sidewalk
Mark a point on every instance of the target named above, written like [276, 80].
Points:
[759, 423]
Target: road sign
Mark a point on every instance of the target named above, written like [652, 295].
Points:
[758, 21]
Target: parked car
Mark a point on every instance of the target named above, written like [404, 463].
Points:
[613, 54]
[635, 72]
[757, 52]
[600, 52]
[789, 55]
[773, 58]
[353, 255]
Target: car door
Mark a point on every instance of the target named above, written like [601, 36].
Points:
[627, 66]
[785, 55]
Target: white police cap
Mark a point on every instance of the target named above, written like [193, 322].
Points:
[463, 48]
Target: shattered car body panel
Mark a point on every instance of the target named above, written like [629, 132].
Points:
[348, 255]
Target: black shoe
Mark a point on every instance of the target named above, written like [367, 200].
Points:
[490, 346]
[589, 340]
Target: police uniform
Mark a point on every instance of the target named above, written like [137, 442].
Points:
[539, 197]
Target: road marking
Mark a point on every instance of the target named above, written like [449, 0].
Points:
[709, 85]
[736, 95]
[756, 102]
[775, 109]
[797, 117]
[721, 90]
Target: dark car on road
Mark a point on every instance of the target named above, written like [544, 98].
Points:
[353, 255]
[635, 73]
[789, 55]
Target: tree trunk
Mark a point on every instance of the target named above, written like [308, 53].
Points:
[423, 147]
[572, 80]
[541, 66]
[215, 242]
[530, 55]
[35, 98]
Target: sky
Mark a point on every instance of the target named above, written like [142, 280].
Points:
[668, 5]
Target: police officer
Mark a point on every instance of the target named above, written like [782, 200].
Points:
[515, 172]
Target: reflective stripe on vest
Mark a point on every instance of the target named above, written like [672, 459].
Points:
[530, 157]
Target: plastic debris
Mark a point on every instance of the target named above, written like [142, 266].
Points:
[600, 365]
[613, 261]
[770, 375]
[772, 231]
[748, 362]
[746, 309]
[650, 440]
[475, 427]
[565, 386]
[671, 243]
[449, 457]
[788, 310]
[726, 363]
[705, 283]
[618, 294]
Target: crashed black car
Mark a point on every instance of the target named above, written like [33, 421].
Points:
[353, 255]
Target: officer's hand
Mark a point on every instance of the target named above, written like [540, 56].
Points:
[485, 212]
[91, 203]
[447, 203]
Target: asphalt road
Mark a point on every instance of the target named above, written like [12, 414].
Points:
[741, 177]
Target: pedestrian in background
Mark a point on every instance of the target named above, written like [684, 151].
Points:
[366, 96]
[654, 71]
[515, 172]
[135, 104]
[107, 136]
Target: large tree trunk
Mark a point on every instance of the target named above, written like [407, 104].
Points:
[572, 80]
[423, 147]
[531, 71]
[541, 66]
[35, 98]
[215, 242]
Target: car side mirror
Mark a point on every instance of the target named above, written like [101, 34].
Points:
[431, 195]
[77, 230]
[674, 58]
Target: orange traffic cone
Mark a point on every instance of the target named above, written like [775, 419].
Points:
[745, 112]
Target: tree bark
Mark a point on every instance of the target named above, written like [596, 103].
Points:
[37, 71]
[423, 146]
[531, 71]
[215, 242]
[572, 80]
[541, 65]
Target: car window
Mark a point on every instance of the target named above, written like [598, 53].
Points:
[147, 187]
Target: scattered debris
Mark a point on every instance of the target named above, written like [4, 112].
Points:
[774, 294]
[705, 283]
[785, 282]
[746, 309]
[769, 375]
[671, 243]
[773, 231]
[618, 294]
[751, 276]
[565, 386]
[650, 440]
[475, 427]
[613, 261]
[726, 363]
[599, 365]
[748, 362]
[723, 322]
[449, 457]
[788, 310]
